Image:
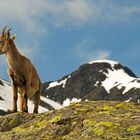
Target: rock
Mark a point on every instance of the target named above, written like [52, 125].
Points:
[86, 120]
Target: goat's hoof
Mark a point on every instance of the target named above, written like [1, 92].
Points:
[35, 112]
[25, 110]
[14, 110]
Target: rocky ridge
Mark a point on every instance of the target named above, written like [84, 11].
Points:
[102, 120]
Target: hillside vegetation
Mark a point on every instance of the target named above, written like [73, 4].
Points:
[91, 120]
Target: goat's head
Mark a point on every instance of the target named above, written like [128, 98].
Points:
[5, 40]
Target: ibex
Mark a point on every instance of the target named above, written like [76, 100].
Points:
[24, 77]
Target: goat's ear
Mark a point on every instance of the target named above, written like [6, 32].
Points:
[13, 37]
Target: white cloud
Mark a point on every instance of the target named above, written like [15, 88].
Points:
[31, 17]
[87, 51]
[101, 54]
[90, 12]
[24, 13]
[36, 15]
[71, 12]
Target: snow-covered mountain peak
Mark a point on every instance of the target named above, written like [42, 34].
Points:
[111, 62]
[96, 80]
[117, 75]
[111, 65]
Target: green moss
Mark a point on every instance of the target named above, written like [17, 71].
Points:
[14, 122]
[74, 123]
[119, 105]
[107, 124]
[82, 110]
[89, 123]
[132, 129]
[73, 135]
[40, 124]
[20, 129]
[134, 110]
[32, 127]
[55, 119]
[104, 113]
[124, 105]
[98, 131]
[108, 108]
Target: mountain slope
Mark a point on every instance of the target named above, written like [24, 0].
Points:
[6, 100]
[97, 80]
[100, 120]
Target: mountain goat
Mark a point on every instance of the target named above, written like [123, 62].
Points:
[24, 77]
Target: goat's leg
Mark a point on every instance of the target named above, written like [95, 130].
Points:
[21, 103]
[25, 102]
[36, 101]
[15, 97]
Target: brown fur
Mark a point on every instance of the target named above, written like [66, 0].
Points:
[22, 73]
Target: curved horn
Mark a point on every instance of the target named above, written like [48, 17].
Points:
[8, 32]
[9, 29]
[4, 30]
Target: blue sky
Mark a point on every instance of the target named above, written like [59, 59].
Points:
[60, 35]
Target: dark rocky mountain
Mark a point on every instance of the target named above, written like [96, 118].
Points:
[97, 80]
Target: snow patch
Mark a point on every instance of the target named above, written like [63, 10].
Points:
[128, 100]
[56, 83]
[119, 79]
[96, 84]
[52, 103]
[112, 63]
[68, 101]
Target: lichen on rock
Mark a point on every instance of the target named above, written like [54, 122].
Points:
[98, 120]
